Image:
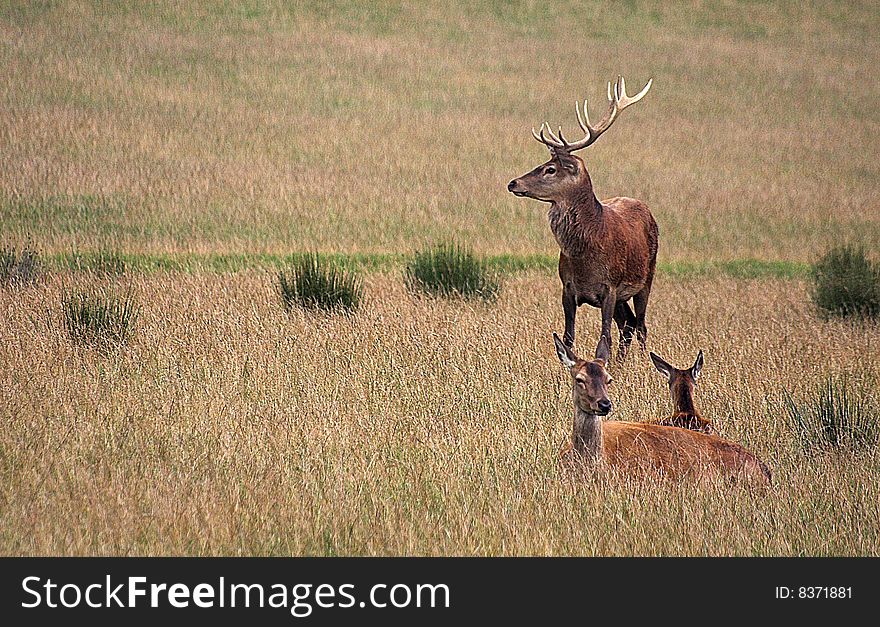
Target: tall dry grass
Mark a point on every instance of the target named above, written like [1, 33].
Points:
[344, 126]
[415, 426]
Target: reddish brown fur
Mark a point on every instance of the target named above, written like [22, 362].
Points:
[643, 447]
[608, 250]
[685, 420]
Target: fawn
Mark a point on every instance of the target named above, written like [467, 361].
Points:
[681, 386]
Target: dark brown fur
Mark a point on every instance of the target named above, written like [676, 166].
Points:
[608, 250]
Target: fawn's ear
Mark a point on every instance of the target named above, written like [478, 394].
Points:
[662, 367]
[566, 355]
[698, 365]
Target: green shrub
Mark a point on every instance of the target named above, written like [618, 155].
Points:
[836, 415]
[317, 283]
[451, 270]
[99, 319]
[847, 284]
[19, 267]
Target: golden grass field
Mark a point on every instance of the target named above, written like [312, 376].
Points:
[412, 427]
[416, 426]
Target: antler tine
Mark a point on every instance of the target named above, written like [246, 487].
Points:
[552, 142]
[584, 125]
[561, 138]
[535, 133]
[555, 139]
[624, 101]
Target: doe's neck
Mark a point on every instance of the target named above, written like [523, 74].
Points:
[586, 439]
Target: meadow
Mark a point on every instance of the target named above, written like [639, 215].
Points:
[415, 426]
[207, 142]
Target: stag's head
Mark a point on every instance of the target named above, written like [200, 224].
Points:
[589, 380]
[566, 173]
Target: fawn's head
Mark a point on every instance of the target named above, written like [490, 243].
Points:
[565, 174]
[590, 380]
[681, 382]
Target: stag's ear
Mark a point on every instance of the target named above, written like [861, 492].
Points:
[698, 365]
[662, 367]
[566, 355]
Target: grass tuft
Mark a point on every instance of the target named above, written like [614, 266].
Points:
[314, 282]
[451, 270]
[846, 284]
[837, 415]
[19, 267]
[99, 319]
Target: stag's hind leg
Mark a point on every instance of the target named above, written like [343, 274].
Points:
[640, 301]
[625, 320]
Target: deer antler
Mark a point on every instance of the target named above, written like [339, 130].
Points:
[617, 102]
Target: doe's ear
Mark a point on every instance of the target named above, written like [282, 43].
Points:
[566, 355]
[698, 365]
[662, 367]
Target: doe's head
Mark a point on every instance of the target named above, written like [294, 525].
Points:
[590, 380]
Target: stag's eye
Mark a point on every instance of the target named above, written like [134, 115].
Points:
[550, 170]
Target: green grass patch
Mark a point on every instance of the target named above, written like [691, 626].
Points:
[738, 269]
[99, 319]
[451, 270]
[107, 263]
[315, 282]
[388, 262]
[19, 267]
[846, 284]
[836, 415]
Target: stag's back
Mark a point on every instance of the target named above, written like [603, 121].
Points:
[676, 452]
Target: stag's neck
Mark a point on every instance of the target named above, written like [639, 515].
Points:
[586, 439]
[575, 219]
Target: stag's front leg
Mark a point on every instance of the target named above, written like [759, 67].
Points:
[603, 349]
[569, 309]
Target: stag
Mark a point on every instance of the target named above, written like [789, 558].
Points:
[608, 249]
